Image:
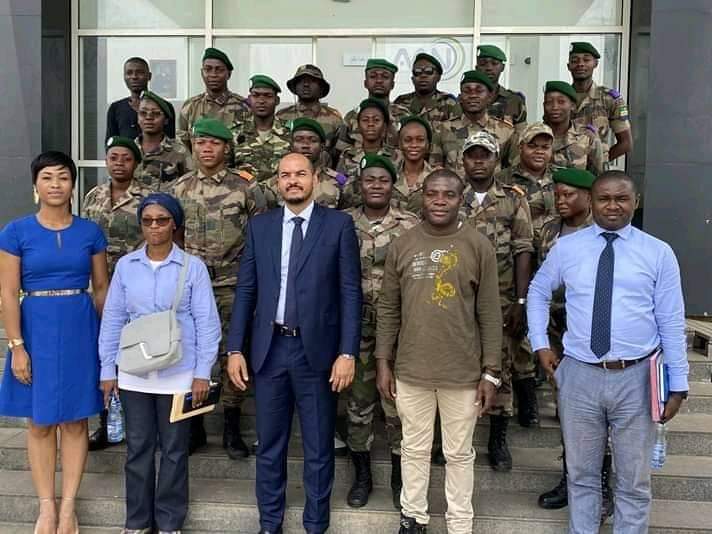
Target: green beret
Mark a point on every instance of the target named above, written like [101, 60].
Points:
[491, 51]
[207, 127]
[378, 63]
[261, 80]
[582, 47]
[561, 87]
[419, 120]
[125, 142]
[166, 108]
[376, 160]
[305, 123]
[430, 59]
[214, 53]
[477, 76]
[375, 103]
[574, 177]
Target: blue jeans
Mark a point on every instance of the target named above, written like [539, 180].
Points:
[592, 400]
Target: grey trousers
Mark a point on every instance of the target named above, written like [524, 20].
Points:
[592, 400]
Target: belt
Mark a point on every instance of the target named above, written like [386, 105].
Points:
[619, 365]
[284, 330]
[55, 292]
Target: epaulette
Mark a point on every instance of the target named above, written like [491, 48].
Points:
[245, 175]
[518, 190]
[504, 120]
[614, 93]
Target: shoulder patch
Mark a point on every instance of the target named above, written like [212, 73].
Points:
[614, 93]
[341, 179]
[246, 175]
[518, 190]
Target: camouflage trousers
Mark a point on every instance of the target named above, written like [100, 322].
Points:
[362, 400]
[231, 396]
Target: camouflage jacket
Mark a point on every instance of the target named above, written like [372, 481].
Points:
[263, 153]
[509, 106]
[446, 150]
[217, 208]
[118, 221]
[604, 109]
[374, 239]
[329, 118]
[349, 135]
[350, 166]
[230, 108]
[160, 169]
[409, 198]
[436, 109]
[539, 194]
[327, 192]
[580, 148]
[504, 218]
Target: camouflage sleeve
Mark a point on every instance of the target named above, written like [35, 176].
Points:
[389, 308]
[513, 149]
[596, 161]
[505, 151]
[618, 113]
[344, 140]
[522, 230]
[270, 192]
[183, 129]
[437, 154]
[256, 199]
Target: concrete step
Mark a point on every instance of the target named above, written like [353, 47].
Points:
[700, 367]
[229, 505]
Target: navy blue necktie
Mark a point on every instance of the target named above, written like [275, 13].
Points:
[602, 299]
[290, 308]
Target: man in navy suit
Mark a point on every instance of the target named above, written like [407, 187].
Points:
[299, 294]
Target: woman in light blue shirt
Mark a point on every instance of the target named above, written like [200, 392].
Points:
[144, 282]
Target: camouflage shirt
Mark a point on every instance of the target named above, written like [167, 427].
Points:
[436, 109]
[509, 106]
[326, 194]
[329, 118]
[349, 135]
[374, 238]
[446, 150]
[263, 152]
[217, 208]
[230, 108]
[117, 220]
[504, 218]
[580, 148]
[160, 169]
[406, 197]
[350, 166]
[604, 109]
[539, 193]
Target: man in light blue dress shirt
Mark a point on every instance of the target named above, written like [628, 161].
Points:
[623, 300]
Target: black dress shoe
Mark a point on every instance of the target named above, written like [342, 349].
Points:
[556, 498]
[263, 531]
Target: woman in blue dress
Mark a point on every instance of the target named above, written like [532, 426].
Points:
[52, 369]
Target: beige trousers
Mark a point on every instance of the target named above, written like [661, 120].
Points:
[416, 407]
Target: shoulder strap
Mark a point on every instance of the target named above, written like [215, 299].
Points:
[181, 282]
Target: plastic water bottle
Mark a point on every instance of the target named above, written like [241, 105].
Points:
[115, 420]
[658, 459]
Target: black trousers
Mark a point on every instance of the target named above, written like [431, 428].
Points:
[163, 503]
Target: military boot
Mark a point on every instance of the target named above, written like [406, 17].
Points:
[408, 525]
[500, 459]
[607, 503]
[232, 440]
[198, 437]
[558, 497]
[363, 483]
[527, 406]
[396, 480]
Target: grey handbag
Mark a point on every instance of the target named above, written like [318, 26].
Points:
[153, 341]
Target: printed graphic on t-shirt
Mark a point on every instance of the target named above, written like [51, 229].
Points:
[435, 266]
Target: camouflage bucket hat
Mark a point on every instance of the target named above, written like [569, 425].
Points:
[314, 72]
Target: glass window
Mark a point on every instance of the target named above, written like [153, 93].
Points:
[175, 65]
[141, 14]
[552, 13]
[455, 54]
[343, 61]
[341, 14]
[535, 59]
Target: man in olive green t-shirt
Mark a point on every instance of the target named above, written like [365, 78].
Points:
[448, 357]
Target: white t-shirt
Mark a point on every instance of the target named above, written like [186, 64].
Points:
[480, 196]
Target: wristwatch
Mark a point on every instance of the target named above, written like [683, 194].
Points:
[522, 301]
[12, 343]
[493, 379]
[348, 356]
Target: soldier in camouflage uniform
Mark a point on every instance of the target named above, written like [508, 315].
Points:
[112, 205]
[163, 159]
[501, 213]
[602, 108]
[217, 102]
[308, 138]
[373, 121]
[415, 137]
[433, 105]
[217, 203]
[379, 81]
[475, 93]
[263, 139]
[506, 104]
[377, 224]
[310, 86]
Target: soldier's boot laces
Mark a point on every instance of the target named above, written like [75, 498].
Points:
[558, 497]
[607, 503]
[363, 483]
[408, 525]
[396, 480]
[500, 458]
[198, 437]
[233, 443]
[527, 406]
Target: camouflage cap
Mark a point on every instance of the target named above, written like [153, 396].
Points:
[375, 103]
[376, 160]
[491, 51]
[124, 142]
[166, 108]
[574, 177]
[207, 127]
[262, 80]
[484, 139]
[419, 120]
[583, 47]
[214, 53]
[430, 59]
[314, 72]
[379, 63]
[476, 76]
[561, 87]
[534, 129]
[305, 123]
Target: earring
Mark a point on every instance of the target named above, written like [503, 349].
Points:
[35, 195]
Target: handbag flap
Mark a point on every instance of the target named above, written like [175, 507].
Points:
[156, 331]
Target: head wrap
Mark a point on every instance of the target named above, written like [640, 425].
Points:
[170, 203]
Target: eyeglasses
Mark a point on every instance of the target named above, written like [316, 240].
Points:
[428, 71]
[160, 221]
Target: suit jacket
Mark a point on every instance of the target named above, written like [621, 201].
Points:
[328, 286]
